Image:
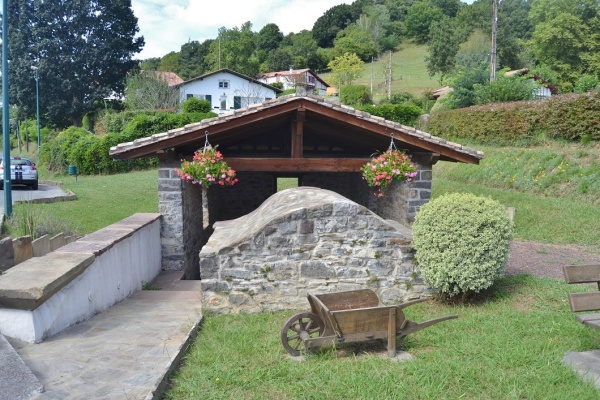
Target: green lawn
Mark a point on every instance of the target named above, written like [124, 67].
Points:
[506, 344]
[101, 201]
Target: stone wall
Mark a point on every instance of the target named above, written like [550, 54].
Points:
[189, 214]
[302, 240]
[401, 202]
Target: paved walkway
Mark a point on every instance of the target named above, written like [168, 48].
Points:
[125, 352]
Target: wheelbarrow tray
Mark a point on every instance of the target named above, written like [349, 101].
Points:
[355, 316]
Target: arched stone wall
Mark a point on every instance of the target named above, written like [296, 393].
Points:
[301, 240]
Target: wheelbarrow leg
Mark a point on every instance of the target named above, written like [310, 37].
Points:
[392, 333]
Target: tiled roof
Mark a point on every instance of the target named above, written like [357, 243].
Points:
[171, 78]
[292, 72]
[255, 108]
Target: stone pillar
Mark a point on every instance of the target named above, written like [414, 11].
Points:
[402, 201]
[170, 207]
[180, 205]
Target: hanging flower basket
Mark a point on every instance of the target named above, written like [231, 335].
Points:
[392, 166]
[207, 168]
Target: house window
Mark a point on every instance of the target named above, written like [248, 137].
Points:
[223, 84]
[189, 96]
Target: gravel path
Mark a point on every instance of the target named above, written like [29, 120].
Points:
[543, 259]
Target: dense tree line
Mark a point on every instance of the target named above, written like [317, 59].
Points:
[559, 38]
[83, 49]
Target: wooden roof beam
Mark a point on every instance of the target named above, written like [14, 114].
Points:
[296, 164]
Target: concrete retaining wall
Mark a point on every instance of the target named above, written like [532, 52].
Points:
[45, 295]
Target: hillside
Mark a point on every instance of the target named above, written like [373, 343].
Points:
[409, 72]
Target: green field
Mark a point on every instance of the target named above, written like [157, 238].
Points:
[409, 72]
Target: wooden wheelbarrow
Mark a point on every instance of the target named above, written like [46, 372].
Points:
[346, 317]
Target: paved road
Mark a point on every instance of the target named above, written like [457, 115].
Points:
[21, 193]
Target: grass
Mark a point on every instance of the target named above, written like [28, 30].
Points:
[409, 71]
[101, 200]
[507, 344]
[556, 210]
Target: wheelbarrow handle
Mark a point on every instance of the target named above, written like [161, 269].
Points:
[412, 327]
[410, 303]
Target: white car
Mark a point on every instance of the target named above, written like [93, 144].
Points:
[22, 172]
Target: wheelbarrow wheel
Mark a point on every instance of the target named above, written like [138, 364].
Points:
[298, 328]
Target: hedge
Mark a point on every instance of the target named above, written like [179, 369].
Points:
[572, 117]
[89, 152]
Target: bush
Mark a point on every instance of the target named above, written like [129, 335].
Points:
[504, 88]
[406, 114]
[195, 105]
[355, 95]
[586, 83]
[461, 242]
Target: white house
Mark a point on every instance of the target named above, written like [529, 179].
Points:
[297, 77]
[227, 90]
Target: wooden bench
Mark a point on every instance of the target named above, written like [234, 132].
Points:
[589, 301]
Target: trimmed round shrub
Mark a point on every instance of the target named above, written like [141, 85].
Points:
[461, 242]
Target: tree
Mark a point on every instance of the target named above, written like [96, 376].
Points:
[328, 25]
[357, 40]
[566, 36]
[304, 50]
[147, 91]
[150, 64]
[464, 84]
[83, 51]
[346, 69]
[234, 49]
[192, 59]
[269, 37]
[278, 60]
[514, 27]
[443, 47]
[450, 8]
[170, 62]
[474, 52]
[421, 16]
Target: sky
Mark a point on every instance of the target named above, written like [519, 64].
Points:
[166, 25]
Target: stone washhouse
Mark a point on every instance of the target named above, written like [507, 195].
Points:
[323, 145]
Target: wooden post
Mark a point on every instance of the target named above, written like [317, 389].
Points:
[392, 333]
[297, 133]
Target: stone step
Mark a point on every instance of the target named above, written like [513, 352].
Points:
[17, 381]
[171, 280]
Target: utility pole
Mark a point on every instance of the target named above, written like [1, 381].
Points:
[372, 60]
[494, 34]
[5, 115]
[389, 88]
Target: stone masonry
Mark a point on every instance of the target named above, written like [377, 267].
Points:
[301, 240]
[182, 230]
[401, 202]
